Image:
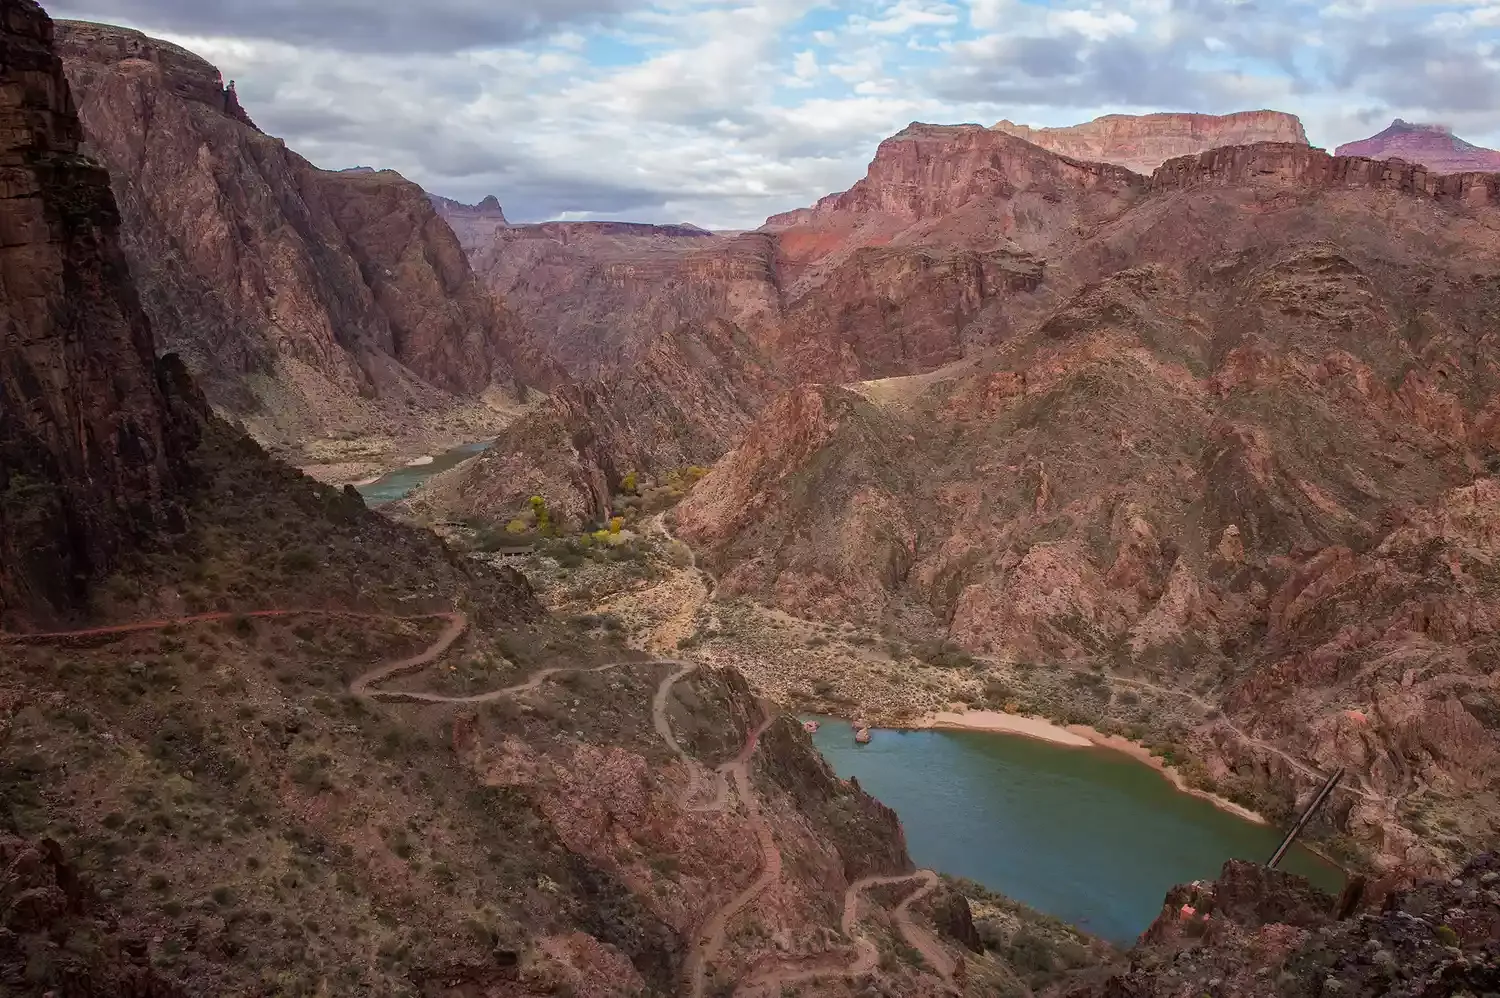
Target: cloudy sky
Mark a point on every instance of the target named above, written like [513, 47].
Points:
[721, 112]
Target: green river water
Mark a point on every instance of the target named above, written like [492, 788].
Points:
[1089, 835]
[400, 483]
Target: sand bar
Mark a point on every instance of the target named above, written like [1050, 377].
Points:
[1077, 736]
[997, 721]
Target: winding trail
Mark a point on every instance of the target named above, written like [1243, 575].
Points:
[709, 941]
[867, 954]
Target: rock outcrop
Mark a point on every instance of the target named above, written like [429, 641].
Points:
[91, 434]
[1255, 932]
[1433, 146]
[1306, 169]
[1144, 142]
[55, 933]
[474, 224]
[688, 400]
[306, 301]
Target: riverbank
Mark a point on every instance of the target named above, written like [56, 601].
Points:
[1074, 736]
[401, 482]
[1089, 836]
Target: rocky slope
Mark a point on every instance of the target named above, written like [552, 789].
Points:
[687, 401]
[307, 302]
[1433, 146]
[1143, 142]
[273, 743]
[1256, 932]
[1250, 452]
[897, 276]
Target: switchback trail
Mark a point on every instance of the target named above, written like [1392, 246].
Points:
[710, 938]
[867, 955]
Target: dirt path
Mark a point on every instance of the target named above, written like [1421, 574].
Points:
[154, 625]
[867, 955]
[709, 941]
[682, 622]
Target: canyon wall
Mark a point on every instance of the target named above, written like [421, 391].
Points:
[1144, 142]
[91, 434]
[305, 301]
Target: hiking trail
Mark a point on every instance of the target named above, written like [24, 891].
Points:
[710, 938]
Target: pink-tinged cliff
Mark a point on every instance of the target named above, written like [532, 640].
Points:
[1433, 146]
[1142, 142]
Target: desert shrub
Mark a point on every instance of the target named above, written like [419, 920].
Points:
[998, 691]
[944, 655]
[1029, 953]
[299, 560]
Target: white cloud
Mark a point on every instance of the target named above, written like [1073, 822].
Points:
[805, 68]
[1092, 24]
[724, 111]
[904, 16]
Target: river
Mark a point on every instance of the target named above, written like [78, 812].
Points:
[1089, 835]
[400, 483]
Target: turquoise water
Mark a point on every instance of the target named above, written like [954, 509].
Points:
[400, 483]
[1091, 836]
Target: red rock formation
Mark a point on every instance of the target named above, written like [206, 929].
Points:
[1213, 456]
[1304, 169]
[89, 439]
[909, 270]
[1256, 932]
[1145, 141]
[1433, 146]
[297, 296]
[606, 290]
[181, 72]
[685, 402]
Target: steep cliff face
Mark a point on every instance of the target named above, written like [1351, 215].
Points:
[90, 443]
[1213, 463]
[1145, 141]
[1433, 146]
[1305, 169]
[475, 225]
[306, 301]
[606, 290]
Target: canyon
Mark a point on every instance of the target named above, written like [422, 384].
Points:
[1178, 428]
[1227, 433]
[309, 304]
[231, 757]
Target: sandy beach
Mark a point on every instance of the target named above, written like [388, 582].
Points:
[1078, 736]
[1012, 724]
[422, 461]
